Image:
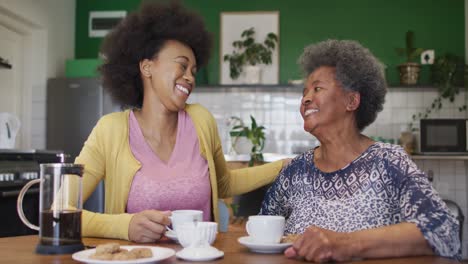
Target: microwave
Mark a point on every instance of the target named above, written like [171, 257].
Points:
[444, 136]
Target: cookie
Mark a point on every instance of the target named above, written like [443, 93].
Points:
[124, 255]
[108, 248]
[104, 256]
[112, 251]
[142, 252]
[291, 238]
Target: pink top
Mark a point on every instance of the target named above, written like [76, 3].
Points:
[181, 183]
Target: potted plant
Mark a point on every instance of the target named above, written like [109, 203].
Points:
[248, 55]
[255, 134]
[448, 74]
[409, 71]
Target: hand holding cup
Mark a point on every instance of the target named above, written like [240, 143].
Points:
[148, 226]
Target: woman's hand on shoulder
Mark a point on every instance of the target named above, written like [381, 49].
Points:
[148, 226]
[321, 245]
[286, 162]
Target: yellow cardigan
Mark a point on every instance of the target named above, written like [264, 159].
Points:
[106, 155]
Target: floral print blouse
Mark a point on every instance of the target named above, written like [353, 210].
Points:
[381, 187]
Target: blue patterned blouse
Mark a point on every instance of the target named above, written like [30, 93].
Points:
[381, 187]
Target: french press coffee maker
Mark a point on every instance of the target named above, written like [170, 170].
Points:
[60, 206]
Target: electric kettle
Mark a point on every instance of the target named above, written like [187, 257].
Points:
[9, 127]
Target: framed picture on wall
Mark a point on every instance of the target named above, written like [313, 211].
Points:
[232, 26]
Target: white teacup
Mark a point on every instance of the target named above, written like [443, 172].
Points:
[179, 217]
[265, 228]
[198, 234]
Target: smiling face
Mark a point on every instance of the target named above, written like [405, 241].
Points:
[325, 104]
[170, 76]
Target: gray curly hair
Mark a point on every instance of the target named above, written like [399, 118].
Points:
[357, 69]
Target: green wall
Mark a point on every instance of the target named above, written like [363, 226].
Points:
[380, 25]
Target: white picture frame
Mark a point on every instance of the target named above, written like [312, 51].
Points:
[232, 25]
[101, 22]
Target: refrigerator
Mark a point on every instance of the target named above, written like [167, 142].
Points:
[74, 105]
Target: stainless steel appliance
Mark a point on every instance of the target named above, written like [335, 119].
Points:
[74, 105]
[18, 167]
[448, 136]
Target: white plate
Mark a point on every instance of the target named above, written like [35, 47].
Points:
[159, 253]
[172, 235]
[263, 247]
[200, 254]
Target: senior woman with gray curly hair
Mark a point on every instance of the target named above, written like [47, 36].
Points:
[352, 197]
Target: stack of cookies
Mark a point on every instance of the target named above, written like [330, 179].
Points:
[112, 251]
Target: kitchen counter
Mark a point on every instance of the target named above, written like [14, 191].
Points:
[439, 157]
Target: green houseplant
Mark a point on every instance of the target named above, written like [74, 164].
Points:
[248, 52]
[409, 71]
[255, 134]
[448, 74]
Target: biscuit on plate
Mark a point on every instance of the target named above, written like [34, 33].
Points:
[291, 238]
[113, 251]
[121, 250]
[107, 248]
[103, 256]
[142, 252]
[124, 255]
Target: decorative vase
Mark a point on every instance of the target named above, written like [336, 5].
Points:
[252, 74]
[242, 145]
[409, 73]
[408, 141]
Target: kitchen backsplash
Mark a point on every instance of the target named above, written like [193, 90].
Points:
[277, 108]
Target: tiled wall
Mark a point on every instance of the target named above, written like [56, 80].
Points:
[38, 127]
[277, 108]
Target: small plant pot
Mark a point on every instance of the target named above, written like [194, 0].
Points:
[409, 73]
[253, 74]
[243, 146]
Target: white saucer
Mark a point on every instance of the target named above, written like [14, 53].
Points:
[172, 235]
[266, 248]
[200, 253]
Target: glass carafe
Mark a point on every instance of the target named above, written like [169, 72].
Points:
[60, 208]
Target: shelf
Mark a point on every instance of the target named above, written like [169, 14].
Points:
[440, 157]
[299, 86]
[5, 65]
[248, 88]
[416, 86]
[214, 86]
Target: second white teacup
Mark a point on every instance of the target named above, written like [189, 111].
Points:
[265, 228]
[179, 217]
[199, 234]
